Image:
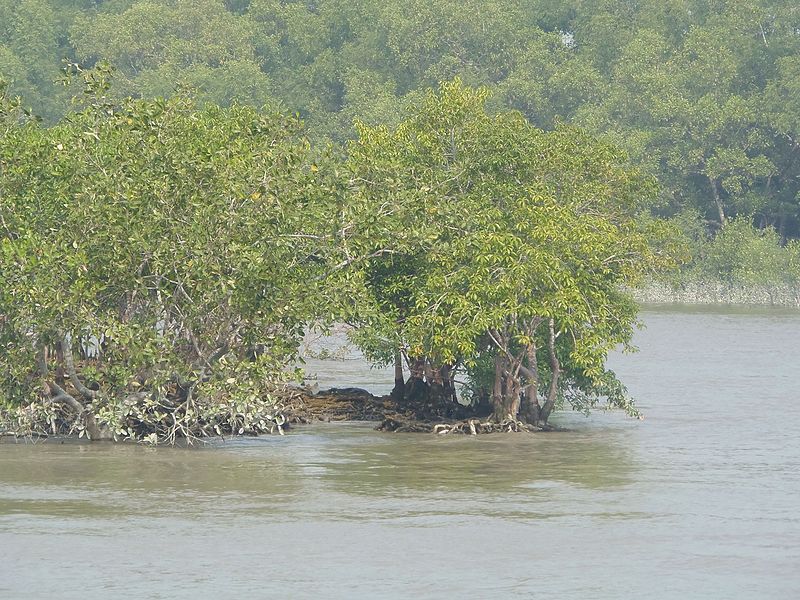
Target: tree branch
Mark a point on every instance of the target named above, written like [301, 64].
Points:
[555, 368]
[57, 392]
[69, 361]
[351, 260]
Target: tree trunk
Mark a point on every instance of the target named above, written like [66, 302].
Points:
[718, 201]
[58, 394]
[530, 409]
[506, 391]
[443, 377]
[448, 381]
[436, 390]
[416, 389]
[442, 391]
[497, 390]
[73, 373]
[60, 377]
[555, 368]
[399, 390]
[513, 395]
[506, 396]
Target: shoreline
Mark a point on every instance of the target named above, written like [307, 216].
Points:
[715, 293]
[353, 405]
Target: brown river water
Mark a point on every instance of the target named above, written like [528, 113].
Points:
[699, 500]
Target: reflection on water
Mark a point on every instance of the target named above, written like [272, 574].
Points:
[697, 501]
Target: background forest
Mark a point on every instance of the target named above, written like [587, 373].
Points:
[702, 93]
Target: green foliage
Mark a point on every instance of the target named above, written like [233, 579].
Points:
[740, 258]
[481, 227]
[166, 244]
[158, 45]
[702, 95]
[744, 255]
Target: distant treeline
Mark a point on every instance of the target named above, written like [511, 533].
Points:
[704, 94]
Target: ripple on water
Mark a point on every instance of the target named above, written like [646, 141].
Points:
[697, 501]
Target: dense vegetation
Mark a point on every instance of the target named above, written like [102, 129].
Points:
[702, 94]
[160, 258]
[153, 280]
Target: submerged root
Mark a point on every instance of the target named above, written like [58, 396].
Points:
[399, 424]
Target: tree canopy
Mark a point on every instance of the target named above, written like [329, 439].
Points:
[700, 93]
[492, 238]
[261, 166]
[162, 241]
[162, 258]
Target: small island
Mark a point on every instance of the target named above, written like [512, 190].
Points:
[160, 271]
[352, 299]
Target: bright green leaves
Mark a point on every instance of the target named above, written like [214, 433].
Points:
[493, 224]
[173, 244]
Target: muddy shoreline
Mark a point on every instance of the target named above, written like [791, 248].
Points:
[355, 404]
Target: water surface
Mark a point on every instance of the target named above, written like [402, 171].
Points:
[699, 500]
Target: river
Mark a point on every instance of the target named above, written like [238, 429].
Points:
[699, 500]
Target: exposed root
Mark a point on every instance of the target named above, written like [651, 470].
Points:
[348, 404]
[397, 423]
[142, 418]
[354, 404]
